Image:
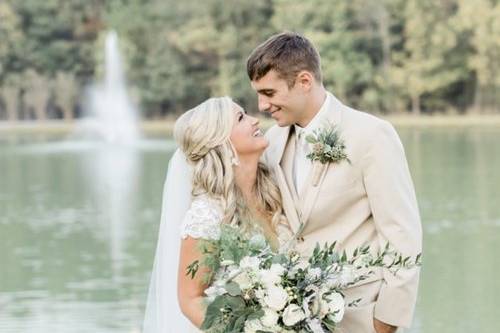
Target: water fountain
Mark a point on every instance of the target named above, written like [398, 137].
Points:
[81, 195]
[113, 166]
[110, 115]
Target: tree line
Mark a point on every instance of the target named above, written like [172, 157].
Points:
[387, 56]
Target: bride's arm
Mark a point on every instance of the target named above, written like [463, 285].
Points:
[202, 222]
[190, 291]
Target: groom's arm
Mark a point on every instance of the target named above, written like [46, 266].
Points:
[395, 212]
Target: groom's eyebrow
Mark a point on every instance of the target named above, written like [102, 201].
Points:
[266, 91]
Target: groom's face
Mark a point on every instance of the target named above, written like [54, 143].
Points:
[284, 104]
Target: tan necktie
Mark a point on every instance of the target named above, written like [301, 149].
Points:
[301, 164]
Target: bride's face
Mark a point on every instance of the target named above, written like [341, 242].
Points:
[246, 136]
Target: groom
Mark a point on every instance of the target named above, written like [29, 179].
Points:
[370, 200]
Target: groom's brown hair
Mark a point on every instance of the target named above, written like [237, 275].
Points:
[288, 53]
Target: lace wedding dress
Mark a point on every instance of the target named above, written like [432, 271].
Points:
[203, 219]
[182, 216]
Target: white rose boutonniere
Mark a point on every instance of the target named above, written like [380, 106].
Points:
[327, 145]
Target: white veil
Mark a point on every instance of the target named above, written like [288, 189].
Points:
[163, 314]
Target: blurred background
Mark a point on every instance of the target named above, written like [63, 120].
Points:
[89, 90]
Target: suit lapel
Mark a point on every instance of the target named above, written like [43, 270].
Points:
[311, 189]
[281, 165]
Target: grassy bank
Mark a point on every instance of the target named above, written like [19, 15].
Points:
[161, 128]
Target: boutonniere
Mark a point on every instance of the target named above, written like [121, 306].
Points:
[327, 145]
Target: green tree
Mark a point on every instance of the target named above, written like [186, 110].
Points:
[334, 28]
[428, 61]
[480, 20]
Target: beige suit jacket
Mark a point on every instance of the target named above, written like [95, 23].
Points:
[370, 201]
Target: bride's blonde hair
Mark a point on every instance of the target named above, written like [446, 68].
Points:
[203, 134]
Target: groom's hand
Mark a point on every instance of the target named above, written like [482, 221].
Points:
[381, 327]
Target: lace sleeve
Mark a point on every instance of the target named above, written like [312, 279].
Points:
[203, 219]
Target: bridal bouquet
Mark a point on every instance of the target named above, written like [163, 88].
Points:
[254, 289]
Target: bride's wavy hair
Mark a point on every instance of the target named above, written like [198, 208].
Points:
[203, 134]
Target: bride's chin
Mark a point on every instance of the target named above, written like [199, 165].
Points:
[265, 142]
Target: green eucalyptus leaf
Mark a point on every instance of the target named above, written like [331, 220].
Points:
[233, 288]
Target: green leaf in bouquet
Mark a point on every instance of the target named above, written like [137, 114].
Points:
[354, 303]
[213, 313]
[344, 257]
[257, 242]
[330, 324]
[418, 260]
[233, 288]
[235, 303]
[239, 324]
[221, 305]
[279, 259]
[192, 269]
[256, 314]
[237, 321]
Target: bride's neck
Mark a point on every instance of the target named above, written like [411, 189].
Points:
[245, 175]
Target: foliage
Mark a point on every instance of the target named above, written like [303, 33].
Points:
[379, 56]
[255, 289]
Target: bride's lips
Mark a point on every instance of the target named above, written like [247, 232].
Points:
[257, 133]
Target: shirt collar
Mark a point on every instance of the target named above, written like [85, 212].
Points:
[316, 122]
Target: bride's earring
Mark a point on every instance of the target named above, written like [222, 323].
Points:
[234, 160]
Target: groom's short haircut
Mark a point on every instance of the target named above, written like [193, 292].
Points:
[288, 53]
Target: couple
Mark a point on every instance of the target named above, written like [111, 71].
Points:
[227, 172]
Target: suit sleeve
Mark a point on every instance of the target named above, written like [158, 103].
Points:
[395, 213]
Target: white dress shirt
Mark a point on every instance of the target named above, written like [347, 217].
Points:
[301, 164]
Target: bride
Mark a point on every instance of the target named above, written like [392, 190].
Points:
[217, 178]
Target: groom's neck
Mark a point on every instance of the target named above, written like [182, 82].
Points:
[316, 100]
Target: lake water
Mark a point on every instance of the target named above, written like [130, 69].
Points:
[79, 221]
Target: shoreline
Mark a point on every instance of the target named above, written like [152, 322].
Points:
[165, 127]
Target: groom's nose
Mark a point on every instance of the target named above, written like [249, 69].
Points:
[264, 104]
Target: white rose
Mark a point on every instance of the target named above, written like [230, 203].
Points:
[252, 326]
[336, 306]
[214, 291]
[277, 269]
[250, 263]
[269, 278]
[347, 275]
[260, 294]
[315, 326]
[314, 273]
[292, 315]
[243, 280]
[276, 298]
[332, 281]
[321, 307]
[270, 318]
[302, 264]
[363, 261]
